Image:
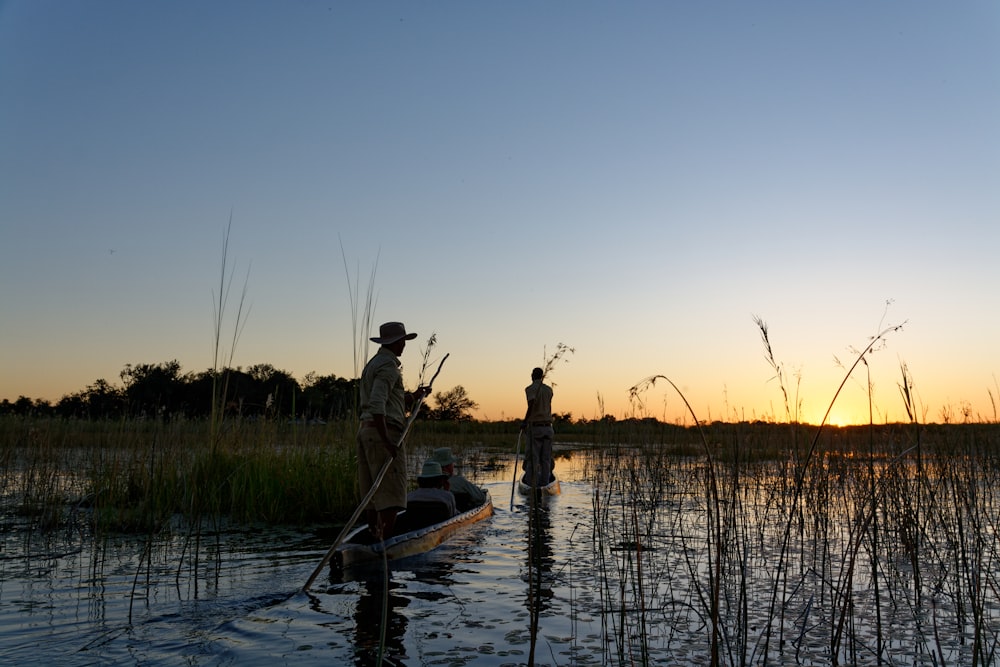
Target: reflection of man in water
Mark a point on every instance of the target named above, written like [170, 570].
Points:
[368, 624]
[538, 424]
[540, 561]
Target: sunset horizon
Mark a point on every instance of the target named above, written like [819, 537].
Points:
[642, 183]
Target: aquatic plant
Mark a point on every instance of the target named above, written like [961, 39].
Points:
[137, 475]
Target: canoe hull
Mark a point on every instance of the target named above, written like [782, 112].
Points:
[553, 488]
[352, 553]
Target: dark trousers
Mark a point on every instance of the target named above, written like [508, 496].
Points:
[538, 456]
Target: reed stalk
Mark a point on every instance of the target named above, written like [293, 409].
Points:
[220, 304]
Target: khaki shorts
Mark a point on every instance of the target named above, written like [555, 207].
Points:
[371, 457]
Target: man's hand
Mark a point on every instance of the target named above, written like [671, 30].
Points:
[391, 448]
[413, 396]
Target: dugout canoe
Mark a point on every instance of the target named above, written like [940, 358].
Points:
[553, 488]
[358, 547]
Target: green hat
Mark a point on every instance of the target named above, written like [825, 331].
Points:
[443, 456]
[431, 470]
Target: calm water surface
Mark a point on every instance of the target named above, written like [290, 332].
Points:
[560, 590]
[66, 601]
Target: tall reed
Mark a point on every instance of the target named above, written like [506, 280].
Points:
[135, 475]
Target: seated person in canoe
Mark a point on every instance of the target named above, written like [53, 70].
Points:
[467, 495]
[431, 502]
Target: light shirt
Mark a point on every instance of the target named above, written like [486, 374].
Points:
[382, 390]
[541, 394]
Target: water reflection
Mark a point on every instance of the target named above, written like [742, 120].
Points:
[540, 561]
[631, 590]
[380, 627]
[380, 616]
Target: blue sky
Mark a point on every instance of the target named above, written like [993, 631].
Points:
[635, 180]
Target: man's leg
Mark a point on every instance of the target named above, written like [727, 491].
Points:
[387, 521]
[546, 463]
[531, 461]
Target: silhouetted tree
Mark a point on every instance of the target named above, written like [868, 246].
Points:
[25, 407]
[328, 397]
[195, 396]
[161, 389]
[72, 406]
[271, 391]
[151, 389]
[453, 405]
[562, 417]
[104, 401]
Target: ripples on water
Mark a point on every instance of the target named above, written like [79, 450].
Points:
[464, 603]
[67, 600]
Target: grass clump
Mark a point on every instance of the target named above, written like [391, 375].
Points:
[140, 475]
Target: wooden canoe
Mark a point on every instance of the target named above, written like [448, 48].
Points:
[358, 547]
[551, 489]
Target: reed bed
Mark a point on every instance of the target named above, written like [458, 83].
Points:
[141, 475]
[137, 476]
[773, 544]
[865, 554]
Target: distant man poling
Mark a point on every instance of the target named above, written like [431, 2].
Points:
[538, 465]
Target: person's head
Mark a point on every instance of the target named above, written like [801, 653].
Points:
[537, 373]
[445, 459]
[393, 335]
[431, 476]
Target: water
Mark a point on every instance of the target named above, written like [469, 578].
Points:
[68, 602]
[629, 587]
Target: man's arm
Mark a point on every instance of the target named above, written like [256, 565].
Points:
[410, 398]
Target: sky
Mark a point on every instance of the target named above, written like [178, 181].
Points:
[637, 181]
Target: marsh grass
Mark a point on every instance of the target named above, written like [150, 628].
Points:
[868, 576]
[864, 575]
[739, 544]
[802, 545]
[222, 356]
[136, 476]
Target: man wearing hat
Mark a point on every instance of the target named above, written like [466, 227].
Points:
[432, 487]
[384, 402]
[472, 495]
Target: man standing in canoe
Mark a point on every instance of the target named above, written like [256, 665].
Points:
[384, 404]
[538, 424]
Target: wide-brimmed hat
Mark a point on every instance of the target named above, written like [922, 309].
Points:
[431, 470]
[390, 332]
[443, 456]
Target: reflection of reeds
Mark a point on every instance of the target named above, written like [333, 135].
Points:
[790, 558]
[851, 568]
[868, 577]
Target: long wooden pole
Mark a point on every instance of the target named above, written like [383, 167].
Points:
[371, 492]
[517, 455]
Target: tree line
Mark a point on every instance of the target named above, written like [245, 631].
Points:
[260, 391]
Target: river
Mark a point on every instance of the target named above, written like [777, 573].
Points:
[232, 597]
[617, 570]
